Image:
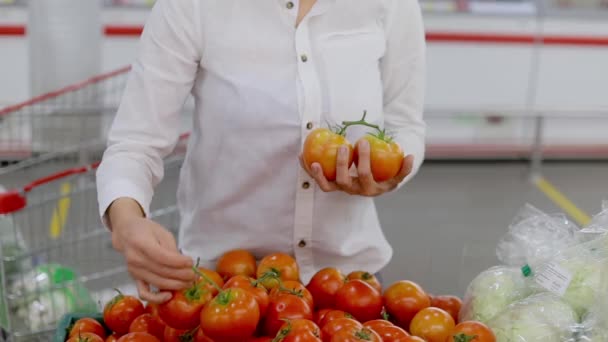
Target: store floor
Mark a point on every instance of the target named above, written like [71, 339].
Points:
[443, 226]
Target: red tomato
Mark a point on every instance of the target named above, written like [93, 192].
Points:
[213, 276]
[359, 299]
[366, 277]
[321, 146]
[262, 339]
[257, 290]
[85, 337]
[201, 337]
[403, 300]
[176, 335]
[391, 333]
[233, 315]
[285, 306]
[237, 262]
[413, 339]
[112, 338]
[299, 330]
[295, 288]
[471, 331]
[333, 315]
[432, 324]
[318, 315]
[356, 335]
[449, 304]
[120, 312]
[386, 157]
[149, 324]
[184, 309]
[376, 323]
[324, 285]
[138, 337]
[88, 325]
[278, 265]
[331, 328]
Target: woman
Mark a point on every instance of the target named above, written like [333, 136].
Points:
[263, 75]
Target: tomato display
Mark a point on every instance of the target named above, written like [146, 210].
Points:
[87, 325]
[258, 291]
[377, 323]
[85, 337]
[366, 277]
[236, 262]
[285, 306]
[432, 324]
[391, 333]
[121, 311]
[335, 326]
[333, 315]
[233, 315]
[319, 315]
[356, 335]
[112, 338]
[403, 300]
[321, 146]
[324, 285]
[299, 330]
[277, 265]
[471, 332]
[183, 310]
[138, 337]
[149, 324]
[449, 304]
[210, 279]
[359, 299]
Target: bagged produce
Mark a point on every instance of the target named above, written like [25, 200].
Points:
[598, 225]
[538, 318]
[492, 291]
[535, 235]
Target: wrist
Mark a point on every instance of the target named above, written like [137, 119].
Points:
[122, 210]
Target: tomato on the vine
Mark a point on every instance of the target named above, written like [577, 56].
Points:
[403, 300]
[88, 325]
[324, 285]
[390, 333]
[236, 262]
[256, 289]
[85, 337]
[285, 306]
[333, 315]
[295, 288]
[333, 327]
[277, 265]
[471, 331]
[366, 277]
[212, 278]
[359, 299]
[376, 323]
[356, 335]
[386, 156]
[138, 337]
[299, 330]
[150, 324]
[233, 315]
[321, 146]
[183, 310]
[432, 324]
[450, 304]
[319, 315]
[121, 311]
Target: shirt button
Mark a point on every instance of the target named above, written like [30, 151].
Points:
[309, 125]
[302, 244]
[304, 58]
[290, 5]
[305, 185]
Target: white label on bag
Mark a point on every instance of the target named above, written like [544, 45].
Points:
[554, 278]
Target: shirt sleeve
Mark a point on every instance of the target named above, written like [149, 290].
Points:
[146, 126]
[404, 79]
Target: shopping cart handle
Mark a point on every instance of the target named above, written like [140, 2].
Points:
[11, 202]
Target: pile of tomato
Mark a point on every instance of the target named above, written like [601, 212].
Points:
[246, 302]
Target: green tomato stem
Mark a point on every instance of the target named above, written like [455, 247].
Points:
[205, 278]
[361, 122]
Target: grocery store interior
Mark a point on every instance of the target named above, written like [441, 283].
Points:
[516, 112]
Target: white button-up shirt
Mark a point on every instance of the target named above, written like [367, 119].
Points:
[260, 84]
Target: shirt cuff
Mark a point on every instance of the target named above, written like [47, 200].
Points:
[121, 188]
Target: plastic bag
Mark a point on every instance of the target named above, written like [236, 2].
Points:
[598, 225]
[492, 291]
[535, 235]
[538, 318]
[577, 274]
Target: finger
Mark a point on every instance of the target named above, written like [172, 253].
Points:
[343, 177]
[324, 184]
[364, 171]
[161, 255]
[158, 281]
[145, 294]
[305, 166]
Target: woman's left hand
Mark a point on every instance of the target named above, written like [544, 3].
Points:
[364, 184]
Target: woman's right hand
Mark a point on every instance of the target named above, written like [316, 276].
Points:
[150, 252]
